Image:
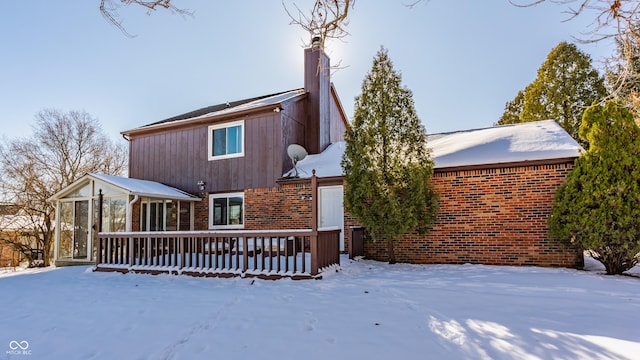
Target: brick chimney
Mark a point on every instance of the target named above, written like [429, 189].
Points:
[317, 84]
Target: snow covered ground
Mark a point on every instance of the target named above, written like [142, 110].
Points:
[368, 310]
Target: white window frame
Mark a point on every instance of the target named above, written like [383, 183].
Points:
[225, 196]
[210, 131]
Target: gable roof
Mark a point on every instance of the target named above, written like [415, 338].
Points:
[143, 188]
[225, 109]
[517, 143]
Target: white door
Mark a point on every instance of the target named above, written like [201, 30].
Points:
[331, 209]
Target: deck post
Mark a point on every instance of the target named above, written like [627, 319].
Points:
[98, 251]
[131, 251]
[314, 252]
[314, 223]
[245, 254]
[314, 201]
[181, 251]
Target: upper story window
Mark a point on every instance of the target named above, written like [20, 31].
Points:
[226, 140]
[226, 210]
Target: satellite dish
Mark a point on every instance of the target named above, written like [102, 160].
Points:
[296, 153]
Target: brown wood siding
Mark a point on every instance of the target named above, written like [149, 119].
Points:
[293, 129]
[179, 157]
[325, 107]
[337, 121]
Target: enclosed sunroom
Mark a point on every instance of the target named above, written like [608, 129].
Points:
[106, 203]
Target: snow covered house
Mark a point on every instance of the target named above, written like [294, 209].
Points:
[224, 195]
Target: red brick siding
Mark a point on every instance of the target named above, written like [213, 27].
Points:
[349, 223]
[489, 216]
[135, 216]
[201, 213]
[287, 206]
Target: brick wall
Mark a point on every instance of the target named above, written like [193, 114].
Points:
[135, 216]
[287, 206]
[490, 216]
[201, 213]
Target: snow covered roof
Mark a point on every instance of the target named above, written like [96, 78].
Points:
[532, 141]
[228, 108]
[18, 222]
[145, 187]
[326, 164]
[131, 186]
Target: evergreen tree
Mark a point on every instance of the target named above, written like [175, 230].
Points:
[512, 110]
[597, 207]
[565, 86]
[387, 163]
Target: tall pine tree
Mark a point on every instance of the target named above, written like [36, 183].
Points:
[597, 207]
[565, 86]
[387, 163]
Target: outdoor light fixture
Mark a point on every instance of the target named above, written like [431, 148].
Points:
[201, 184]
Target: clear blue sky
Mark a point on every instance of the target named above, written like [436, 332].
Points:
[462, 59]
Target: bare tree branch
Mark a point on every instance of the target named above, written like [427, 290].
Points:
[108, 9]
[326, 20]
[413, 4]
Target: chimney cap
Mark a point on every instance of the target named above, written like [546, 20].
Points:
[315, 41]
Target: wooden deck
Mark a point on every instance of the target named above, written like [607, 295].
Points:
[269, 254]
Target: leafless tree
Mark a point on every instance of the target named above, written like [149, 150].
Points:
[326, 20]
[109, 9]
[63, 148]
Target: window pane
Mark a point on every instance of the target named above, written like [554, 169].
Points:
[185, 216]
[106, 226]
[171, 216]
[153, 217]
[235, 211]
[235, 140]
[156, 220]
[118, 214]
[84, 191]
[219, 142]
[80, 229]
[220, 211]
[143, 217]
[66, 230]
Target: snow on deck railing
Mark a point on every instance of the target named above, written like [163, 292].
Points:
[296, 253]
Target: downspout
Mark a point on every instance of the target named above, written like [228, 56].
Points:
[130, 211]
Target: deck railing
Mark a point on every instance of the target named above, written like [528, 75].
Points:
[263, 253]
